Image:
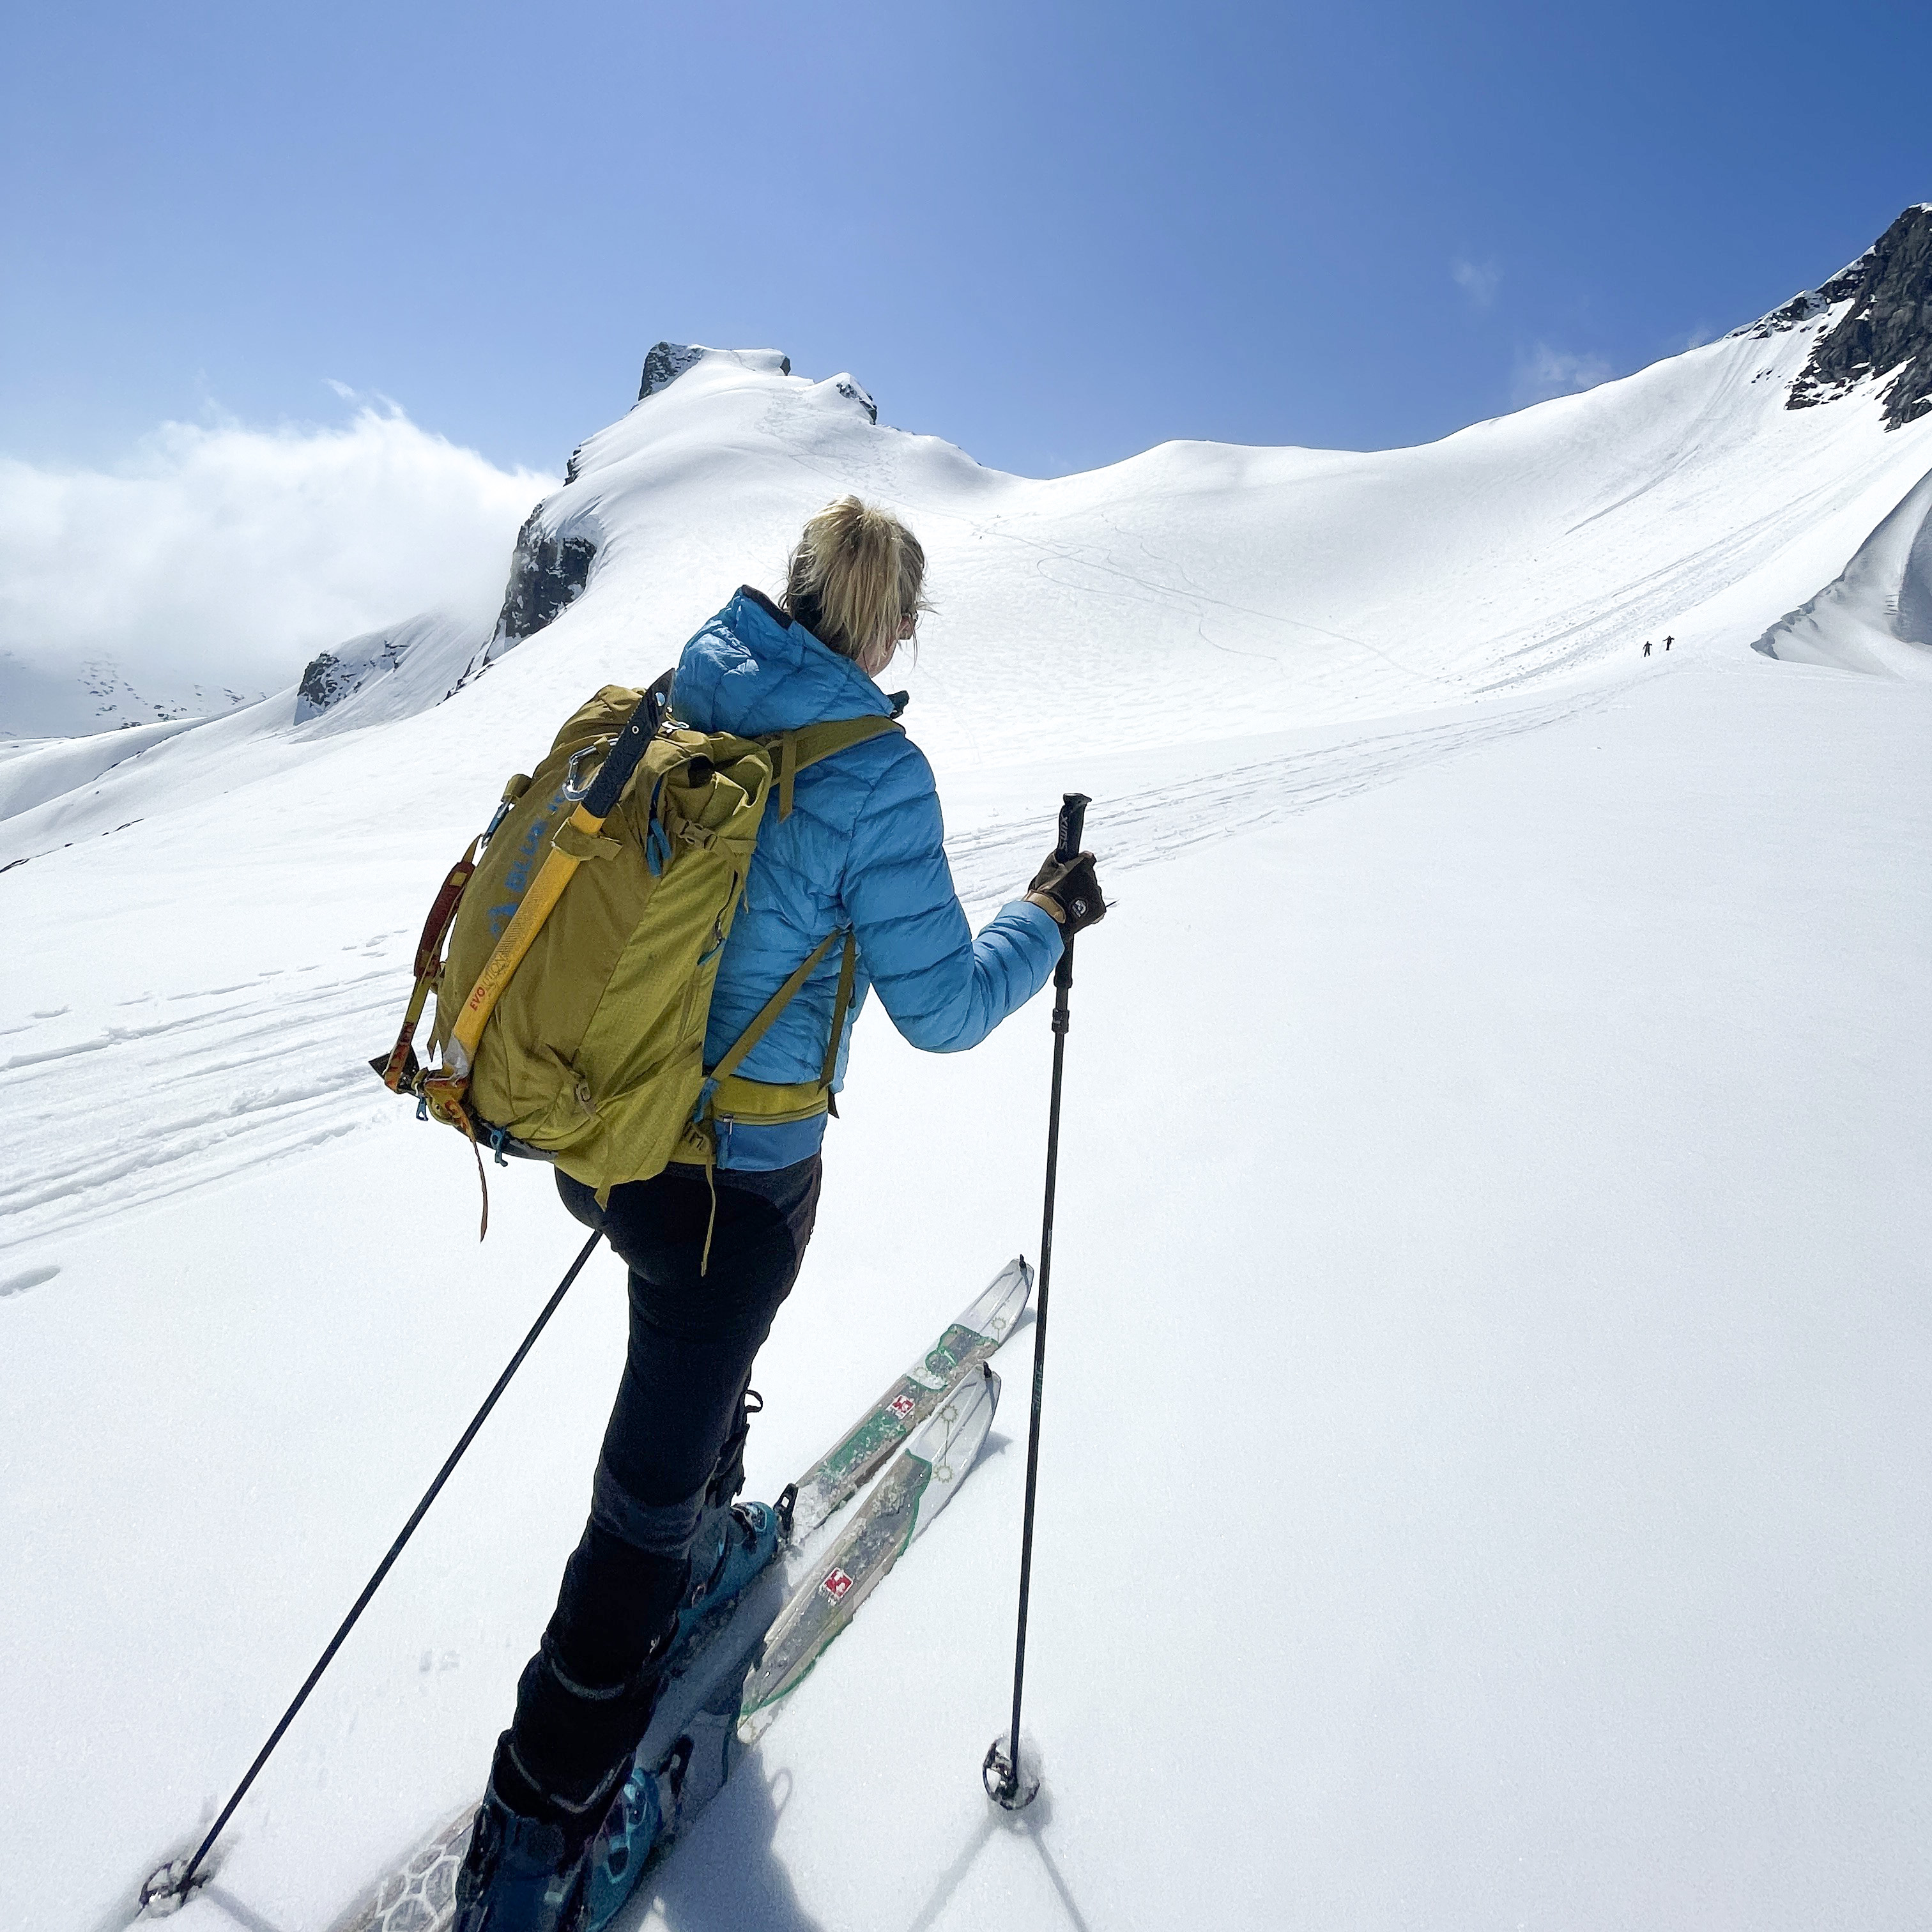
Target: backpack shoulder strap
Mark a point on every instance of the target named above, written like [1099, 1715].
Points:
[811, 742]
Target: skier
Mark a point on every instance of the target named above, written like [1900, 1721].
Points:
[1667, 643]
[1646, 647]
[862, 850]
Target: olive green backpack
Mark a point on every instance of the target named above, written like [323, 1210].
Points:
[584, 931]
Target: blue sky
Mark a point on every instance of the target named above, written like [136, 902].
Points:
[1055, 234]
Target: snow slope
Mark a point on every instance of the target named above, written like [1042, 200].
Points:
[1485, 1444]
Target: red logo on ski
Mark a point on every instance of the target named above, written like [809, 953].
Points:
[903, 1406]
[835, 1584]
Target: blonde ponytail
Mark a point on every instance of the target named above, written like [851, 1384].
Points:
[855, 581]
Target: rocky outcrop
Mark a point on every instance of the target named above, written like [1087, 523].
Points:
[667, 361]
[393, 672]
[664, 364]
[1808, 303]
[851, 391]
[332, 676]
[1884, 332]
[547, 574]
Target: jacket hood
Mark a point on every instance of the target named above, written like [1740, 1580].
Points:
[753, 670]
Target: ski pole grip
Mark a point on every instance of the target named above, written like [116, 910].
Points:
[1072, 824]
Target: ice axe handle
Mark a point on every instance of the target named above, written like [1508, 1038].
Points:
[1072, 821]
[638, 730]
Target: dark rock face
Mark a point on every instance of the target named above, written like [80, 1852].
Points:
[1808, 302]
[664, 364]
[1887, 327]
[667, 361]
[852, 393]
[547, 574]
[331, 676]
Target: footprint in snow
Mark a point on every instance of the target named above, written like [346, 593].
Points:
[19, 1284]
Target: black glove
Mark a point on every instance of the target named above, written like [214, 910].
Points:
[1067, 890]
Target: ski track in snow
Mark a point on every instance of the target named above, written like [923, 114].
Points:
[138, 1113]
[1160, 821]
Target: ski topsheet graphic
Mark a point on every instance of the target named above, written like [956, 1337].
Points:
[924, 1477]
[726, 1691]
[843, 1469]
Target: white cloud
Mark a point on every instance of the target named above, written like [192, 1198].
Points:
[1544, 372]
[226, 556]
[1478, 281]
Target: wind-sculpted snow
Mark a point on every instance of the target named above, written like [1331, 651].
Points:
[1876, 614]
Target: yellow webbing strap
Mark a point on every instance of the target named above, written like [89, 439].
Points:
[556, 872]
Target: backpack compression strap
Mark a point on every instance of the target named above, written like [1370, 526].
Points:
[399, 1067]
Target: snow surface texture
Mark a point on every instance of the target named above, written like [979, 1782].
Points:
[1486, 1441]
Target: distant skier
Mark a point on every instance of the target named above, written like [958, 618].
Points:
[862, 851]
[1666, 643]
[1646, 647]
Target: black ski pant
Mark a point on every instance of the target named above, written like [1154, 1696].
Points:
[585, 1698]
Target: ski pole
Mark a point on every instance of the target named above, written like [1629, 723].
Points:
[1006, 1784]
[171, 1883]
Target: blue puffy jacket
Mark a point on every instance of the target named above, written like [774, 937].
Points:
[863, 848]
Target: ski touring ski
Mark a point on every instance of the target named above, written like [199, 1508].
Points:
[843, 1469]
[727, 1688]
[923, 1478]
[687, 1756]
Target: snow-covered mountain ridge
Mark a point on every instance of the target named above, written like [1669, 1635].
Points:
[1275, 587]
